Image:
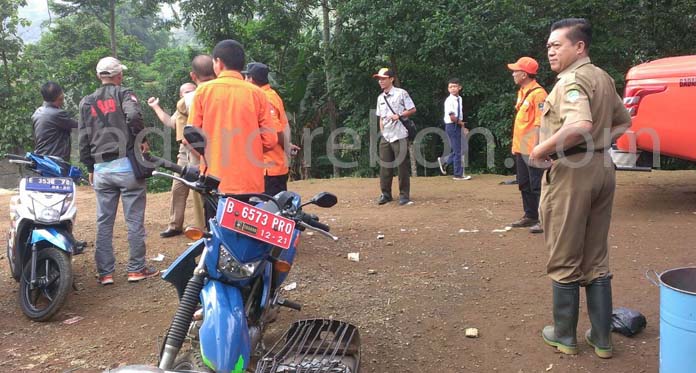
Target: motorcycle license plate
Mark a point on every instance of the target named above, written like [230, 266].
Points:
[256, 223]
[49, 184]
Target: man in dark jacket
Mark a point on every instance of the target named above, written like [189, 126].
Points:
[110, 120]
[51, 124]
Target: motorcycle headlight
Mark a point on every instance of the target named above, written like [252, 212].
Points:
[48, 215]
[233, 269]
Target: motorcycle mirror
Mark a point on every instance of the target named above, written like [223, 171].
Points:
[324, 199]
[195, 138]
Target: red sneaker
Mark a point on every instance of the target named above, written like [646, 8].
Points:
[144, 273]
[106, 279]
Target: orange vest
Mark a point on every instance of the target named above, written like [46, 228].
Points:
[276, 160]
[529, 106]
[236, 119]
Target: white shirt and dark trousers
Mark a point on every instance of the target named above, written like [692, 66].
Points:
[453, 105]
[393, 146]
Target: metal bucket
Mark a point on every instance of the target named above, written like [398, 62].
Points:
[677, 319]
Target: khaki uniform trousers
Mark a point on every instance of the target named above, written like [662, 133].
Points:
[575, 210]
[180, 193]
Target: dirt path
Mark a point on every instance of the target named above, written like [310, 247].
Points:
[412, 294]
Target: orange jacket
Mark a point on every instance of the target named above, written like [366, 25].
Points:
[236, 119]
[529, 106]
[276, 160]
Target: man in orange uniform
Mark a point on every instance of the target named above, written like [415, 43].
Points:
[236, 119]
[276, 174]
[529, 107]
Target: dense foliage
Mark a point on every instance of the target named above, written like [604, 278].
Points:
[323, 53]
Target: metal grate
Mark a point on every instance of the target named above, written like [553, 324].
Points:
[314, 346]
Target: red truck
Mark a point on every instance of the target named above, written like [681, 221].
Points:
[661, 97]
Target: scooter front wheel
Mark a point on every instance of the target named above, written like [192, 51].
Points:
[54, 279]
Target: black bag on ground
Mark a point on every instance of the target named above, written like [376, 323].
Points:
[627, 321]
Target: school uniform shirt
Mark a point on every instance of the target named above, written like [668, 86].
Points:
[400, 101]
[453, 105]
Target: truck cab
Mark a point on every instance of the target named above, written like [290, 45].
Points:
[661, 97]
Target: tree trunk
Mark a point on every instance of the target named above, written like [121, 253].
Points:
[331, 105]
[411, 153]
[112, 26]
[6, 64]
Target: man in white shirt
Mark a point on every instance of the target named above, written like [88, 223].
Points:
[392, 105]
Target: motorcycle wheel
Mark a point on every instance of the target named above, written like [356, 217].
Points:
[191, 360]
[54, 272]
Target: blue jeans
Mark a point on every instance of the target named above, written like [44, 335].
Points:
[109, 188]
[454, 133]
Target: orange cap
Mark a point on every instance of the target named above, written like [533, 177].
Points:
[526, 64]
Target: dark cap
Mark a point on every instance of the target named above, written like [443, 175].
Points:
[384, 72]
[258, 72]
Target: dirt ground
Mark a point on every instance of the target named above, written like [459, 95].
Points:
[412, 293]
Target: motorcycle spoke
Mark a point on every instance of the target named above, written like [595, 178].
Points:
[47, 295]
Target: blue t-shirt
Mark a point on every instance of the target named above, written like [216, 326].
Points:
[117, 165]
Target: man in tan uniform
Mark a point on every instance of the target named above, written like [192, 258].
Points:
[582, 116]
[201, 71]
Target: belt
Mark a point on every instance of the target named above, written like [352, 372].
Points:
[571, 151]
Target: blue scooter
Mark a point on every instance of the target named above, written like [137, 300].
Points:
[40, 242]
[229, 296]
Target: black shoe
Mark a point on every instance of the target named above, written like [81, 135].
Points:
[384, 199]
[405, 201]
[524, 223]
[170, 233]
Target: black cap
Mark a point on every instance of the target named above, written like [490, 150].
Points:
[258, 72]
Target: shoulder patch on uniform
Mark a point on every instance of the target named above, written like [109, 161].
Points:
[572, 95]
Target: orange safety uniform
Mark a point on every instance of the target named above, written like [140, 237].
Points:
[276, 159]
[236, 119]
[529, 106]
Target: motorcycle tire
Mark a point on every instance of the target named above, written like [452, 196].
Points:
[14, 270]
[191, 360]
[42, 302]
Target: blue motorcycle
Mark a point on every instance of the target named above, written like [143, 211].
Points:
[229, 296]
[40, 243]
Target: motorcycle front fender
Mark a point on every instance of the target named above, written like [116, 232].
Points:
[224, 334]
[54, 236]
[179, 272]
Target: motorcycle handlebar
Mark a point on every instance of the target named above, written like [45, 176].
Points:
[187, 173]
[313, 220]
[16, 157]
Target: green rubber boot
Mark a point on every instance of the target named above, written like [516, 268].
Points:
[566, 306]
[599, 308]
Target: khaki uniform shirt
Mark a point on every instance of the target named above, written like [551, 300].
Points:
[584, 92]
[180, 117]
